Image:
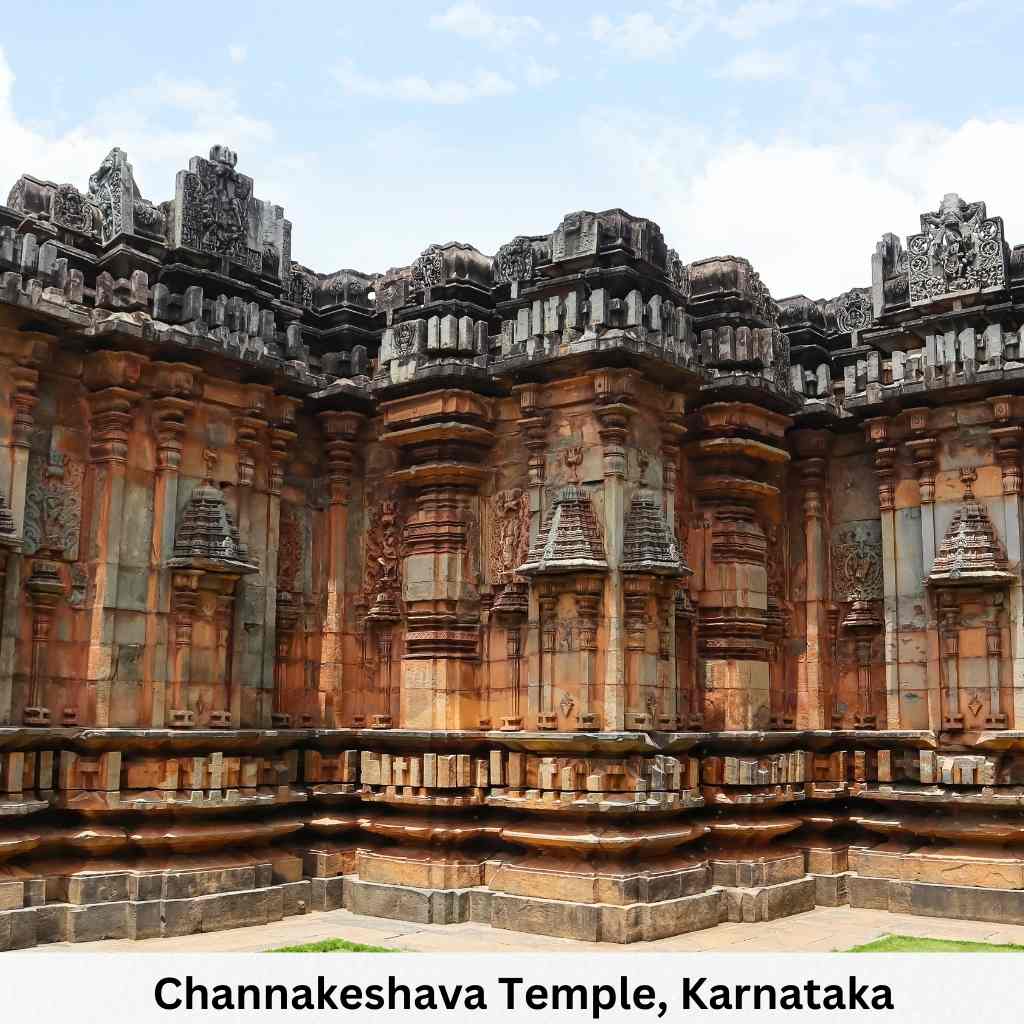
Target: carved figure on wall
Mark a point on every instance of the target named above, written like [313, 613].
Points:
[959, 248]
[428, 268]
[291, 548]
[71, 209]
[215, 208]
[300, 286]
[853, 310]
[515, 261]
[382, 575]
[510, 532]
[857, 562]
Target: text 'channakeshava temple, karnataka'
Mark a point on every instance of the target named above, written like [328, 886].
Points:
[574, 590]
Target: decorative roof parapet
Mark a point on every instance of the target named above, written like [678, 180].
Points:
[970, 554]
[207, 538]
[648, 545]
[570, 539]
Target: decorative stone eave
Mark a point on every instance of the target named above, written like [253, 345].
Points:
[207, 538]
[648, 546]
[570, 540]
[970, 554]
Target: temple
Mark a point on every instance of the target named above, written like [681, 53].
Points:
[574, 589]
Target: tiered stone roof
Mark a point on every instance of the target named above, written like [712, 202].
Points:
[648, 545]
[970, 553]
[570, 540]
[207, 537]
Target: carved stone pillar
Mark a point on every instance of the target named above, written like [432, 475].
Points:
[533, 430]
[878, 437]
[247, 661]
[588, 609]
[184, 605]
[45, 589]
[30, 350]
[546, 716]
[341, 430]
[672, 432]
[924, 450]
[24, 396]
[113, 379]
[177, 385]
[614, 398]
[736, 452]
[1008, 435]
[441, 439]
[280, 439]
[949, 662]
[289, 613]
[814, 694]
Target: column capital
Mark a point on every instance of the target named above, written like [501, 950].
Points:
[341, 430]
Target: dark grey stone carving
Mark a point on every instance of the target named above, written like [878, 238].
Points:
[959, 249]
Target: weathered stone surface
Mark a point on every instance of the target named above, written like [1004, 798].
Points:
[574, 589]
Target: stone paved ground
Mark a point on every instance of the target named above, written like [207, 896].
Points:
[822, 930]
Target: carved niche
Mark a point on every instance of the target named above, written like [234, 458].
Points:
[53, 505]
[959, 249]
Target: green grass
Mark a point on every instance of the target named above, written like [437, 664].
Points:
[912, 944]
[334, 946]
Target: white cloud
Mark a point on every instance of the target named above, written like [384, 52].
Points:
[417, 89]
[471, 21]
[753, 17]
[638, 36]
[237, 53]
[759, 66]
[540, 74]
[160, 125]
[807, 215]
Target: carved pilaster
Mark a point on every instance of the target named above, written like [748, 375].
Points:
[815, 683]
[24, 397]
[45, 589]
[184, 606]
[533, 425]
[341, 432]
[115, 382]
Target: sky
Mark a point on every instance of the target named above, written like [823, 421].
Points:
[792, 132]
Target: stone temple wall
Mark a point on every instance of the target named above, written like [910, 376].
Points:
[575, 590]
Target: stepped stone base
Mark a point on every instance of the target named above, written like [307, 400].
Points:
[30, 926]
[927, 899]
[769, 902]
